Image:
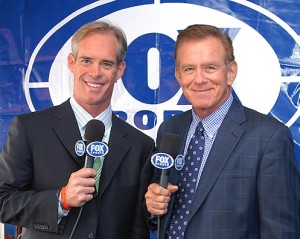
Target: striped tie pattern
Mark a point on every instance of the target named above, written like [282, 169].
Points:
[98, 167]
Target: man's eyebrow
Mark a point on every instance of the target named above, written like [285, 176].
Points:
[85, 57]
[187, 65]
[102, 61]
[109, 61]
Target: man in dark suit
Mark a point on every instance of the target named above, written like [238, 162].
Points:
[247, 182]
[43, 185]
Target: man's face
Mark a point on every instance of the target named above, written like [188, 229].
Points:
[203, 74]
[95, 71]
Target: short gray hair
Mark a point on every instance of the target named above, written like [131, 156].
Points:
[103, 27]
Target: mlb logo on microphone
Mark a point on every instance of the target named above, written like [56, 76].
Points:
[97, 149]
[179, 162]
[80, 148]
[162, 160]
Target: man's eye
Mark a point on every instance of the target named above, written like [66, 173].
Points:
[86, 61]
[107, 65]
[188, 70]
[210, 69]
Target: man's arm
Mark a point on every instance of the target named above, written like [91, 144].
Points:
[278, 188]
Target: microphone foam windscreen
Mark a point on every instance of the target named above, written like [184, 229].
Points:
[94, 130]
[170, 144]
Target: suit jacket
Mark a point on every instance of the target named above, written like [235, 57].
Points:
[38, 159]
[249, 187]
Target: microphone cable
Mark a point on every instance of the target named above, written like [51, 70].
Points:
[75, 225]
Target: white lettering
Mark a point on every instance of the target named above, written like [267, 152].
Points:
[162, 160]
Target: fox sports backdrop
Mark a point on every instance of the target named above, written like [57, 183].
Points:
[35, 40]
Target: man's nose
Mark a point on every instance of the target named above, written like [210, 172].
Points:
[95, 70]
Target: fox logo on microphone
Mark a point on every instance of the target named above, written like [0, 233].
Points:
[97, 149]
[162, 160]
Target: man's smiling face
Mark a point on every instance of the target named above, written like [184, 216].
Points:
[95, 71]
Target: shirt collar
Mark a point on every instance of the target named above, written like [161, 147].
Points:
[212, 122]
[82, 117]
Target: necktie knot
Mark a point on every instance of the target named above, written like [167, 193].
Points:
[199, 129]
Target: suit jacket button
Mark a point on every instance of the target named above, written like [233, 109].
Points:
[91, 235]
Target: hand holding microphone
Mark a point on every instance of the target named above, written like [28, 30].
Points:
[95, 149]
[157, 198]
[80, 187]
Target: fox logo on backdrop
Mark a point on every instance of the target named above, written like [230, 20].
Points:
[266, 48]
[148, 93]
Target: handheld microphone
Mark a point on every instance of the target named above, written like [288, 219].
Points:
[94, 132]
[169, 149]
[92, 147]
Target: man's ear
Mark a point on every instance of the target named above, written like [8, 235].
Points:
[232, 72]
[120, 70]
[177, 74]
[71, 61]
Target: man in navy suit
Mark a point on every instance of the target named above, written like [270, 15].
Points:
[247, 185]
[43, 185]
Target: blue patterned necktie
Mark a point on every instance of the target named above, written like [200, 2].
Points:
[187, 183]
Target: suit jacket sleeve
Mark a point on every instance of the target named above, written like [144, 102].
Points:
[278, 188]
[18, 202]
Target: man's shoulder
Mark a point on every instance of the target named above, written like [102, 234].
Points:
[255, 116]
[46, 113]
[241, 114]
[179, 118]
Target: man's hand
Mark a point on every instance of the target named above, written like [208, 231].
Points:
[80, 187]
[158, 198]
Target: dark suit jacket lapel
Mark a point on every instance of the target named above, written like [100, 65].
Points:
[227, 138]
[118, 147]
[66, 128]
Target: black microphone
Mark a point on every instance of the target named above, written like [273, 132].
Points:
[92, 147]
[169, 144]
[164, 160]
[94, 132]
